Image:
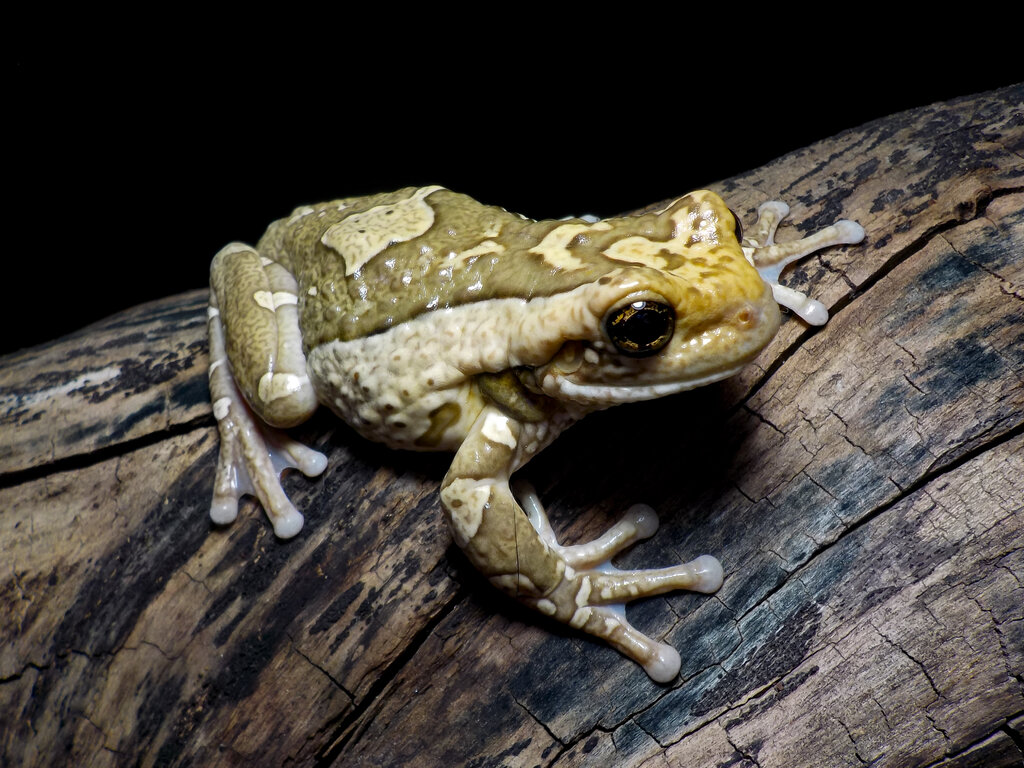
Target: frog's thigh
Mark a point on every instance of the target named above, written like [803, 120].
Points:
[258, 303]
[485, 519]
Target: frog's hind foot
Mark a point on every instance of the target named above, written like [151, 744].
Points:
[593, 593]
[252, 454]
[769, 258]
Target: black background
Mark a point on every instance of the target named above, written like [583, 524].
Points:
[132, 163]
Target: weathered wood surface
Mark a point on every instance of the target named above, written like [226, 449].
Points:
[863, 485]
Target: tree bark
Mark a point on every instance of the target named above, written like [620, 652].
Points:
[862, 483]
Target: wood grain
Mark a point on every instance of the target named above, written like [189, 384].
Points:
[862, 483]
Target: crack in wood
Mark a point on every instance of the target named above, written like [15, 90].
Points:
[79, 461]
[853, 742]
[348, 729]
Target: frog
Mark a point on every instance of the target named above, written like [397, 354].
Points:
[429, 321]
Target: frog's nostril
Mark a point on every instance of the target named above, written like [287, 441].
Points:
[748, 316]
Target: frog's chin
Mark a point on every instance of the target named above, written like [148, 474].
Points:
[563, 388]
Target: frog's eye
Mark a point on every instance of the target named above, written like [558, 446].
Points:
[640, 327]
[739, 227]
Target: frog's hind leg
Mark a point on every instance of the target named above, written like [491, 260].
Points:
[516, 549]
[257, 377]
[769, 258]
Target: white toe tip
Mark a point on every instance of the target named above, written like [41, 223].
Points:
[224, 512]
[708, 574]
[780, 208]
[850, 231]
[813, 312]
[288, 525]
[644, 519]
[314, 464]
[664, 666]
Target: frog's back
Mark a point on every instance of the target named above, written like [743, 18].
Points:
[366, 264]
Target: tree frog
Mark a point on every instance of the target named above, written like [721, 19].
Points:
[429, 321]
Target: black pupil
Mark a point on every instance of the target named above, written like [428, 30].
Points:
[641, 327]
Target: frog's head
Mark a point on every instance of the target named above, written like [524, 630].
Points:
[676, 315]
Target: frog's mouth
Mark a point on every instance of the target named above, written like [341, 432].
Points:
[562, 387]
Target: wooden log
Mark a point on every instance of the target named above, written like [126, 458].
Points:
[862, 483]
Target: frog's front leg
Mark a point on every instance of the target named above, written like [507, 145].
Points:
[518, 552]
[769, 258]
[258, 381]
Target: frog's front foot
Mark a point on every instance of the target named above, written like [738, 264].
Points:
[252, 458]
[252, 454]
[769, 258]
[592, 593]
